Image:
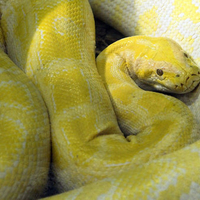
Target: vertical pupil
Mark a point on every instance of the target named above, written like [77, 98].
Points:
[159, 72]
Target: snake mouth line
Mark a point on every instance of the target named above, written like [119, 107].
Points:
[192, 87]
[161, 87]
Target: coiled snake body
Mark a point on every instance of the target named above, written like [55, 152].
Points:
[157, 156]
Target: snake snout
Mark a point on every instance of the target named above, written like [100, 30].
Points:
[188, 83]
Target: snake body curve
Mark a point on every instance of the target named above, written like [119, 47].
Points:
[24, 124]
[175, 19]
[53, 42]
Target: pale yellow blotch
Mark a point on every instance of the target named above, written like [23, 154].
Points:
[180, 12]
[149, 17]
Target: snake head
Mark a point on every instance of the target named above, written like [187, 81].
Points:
[164, 66]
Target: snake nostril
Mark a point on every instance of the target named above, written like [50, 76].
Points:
[186, 55]
[182, 84]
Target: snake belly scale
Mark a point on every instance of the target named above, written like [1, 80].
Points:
[53, 43]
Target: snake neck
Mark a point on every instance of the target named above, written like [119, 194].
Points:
[126, 60]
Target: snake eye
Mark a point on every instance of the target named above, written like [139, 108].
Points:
[159, 72]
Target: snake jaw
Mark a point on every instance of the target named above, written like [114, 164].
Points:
[182, 87]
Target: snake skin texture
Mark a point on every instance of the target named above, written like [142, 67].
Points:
[24, 134]
[155, 154]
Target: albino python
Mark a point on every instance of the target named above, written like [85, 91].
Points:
[154, 154]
